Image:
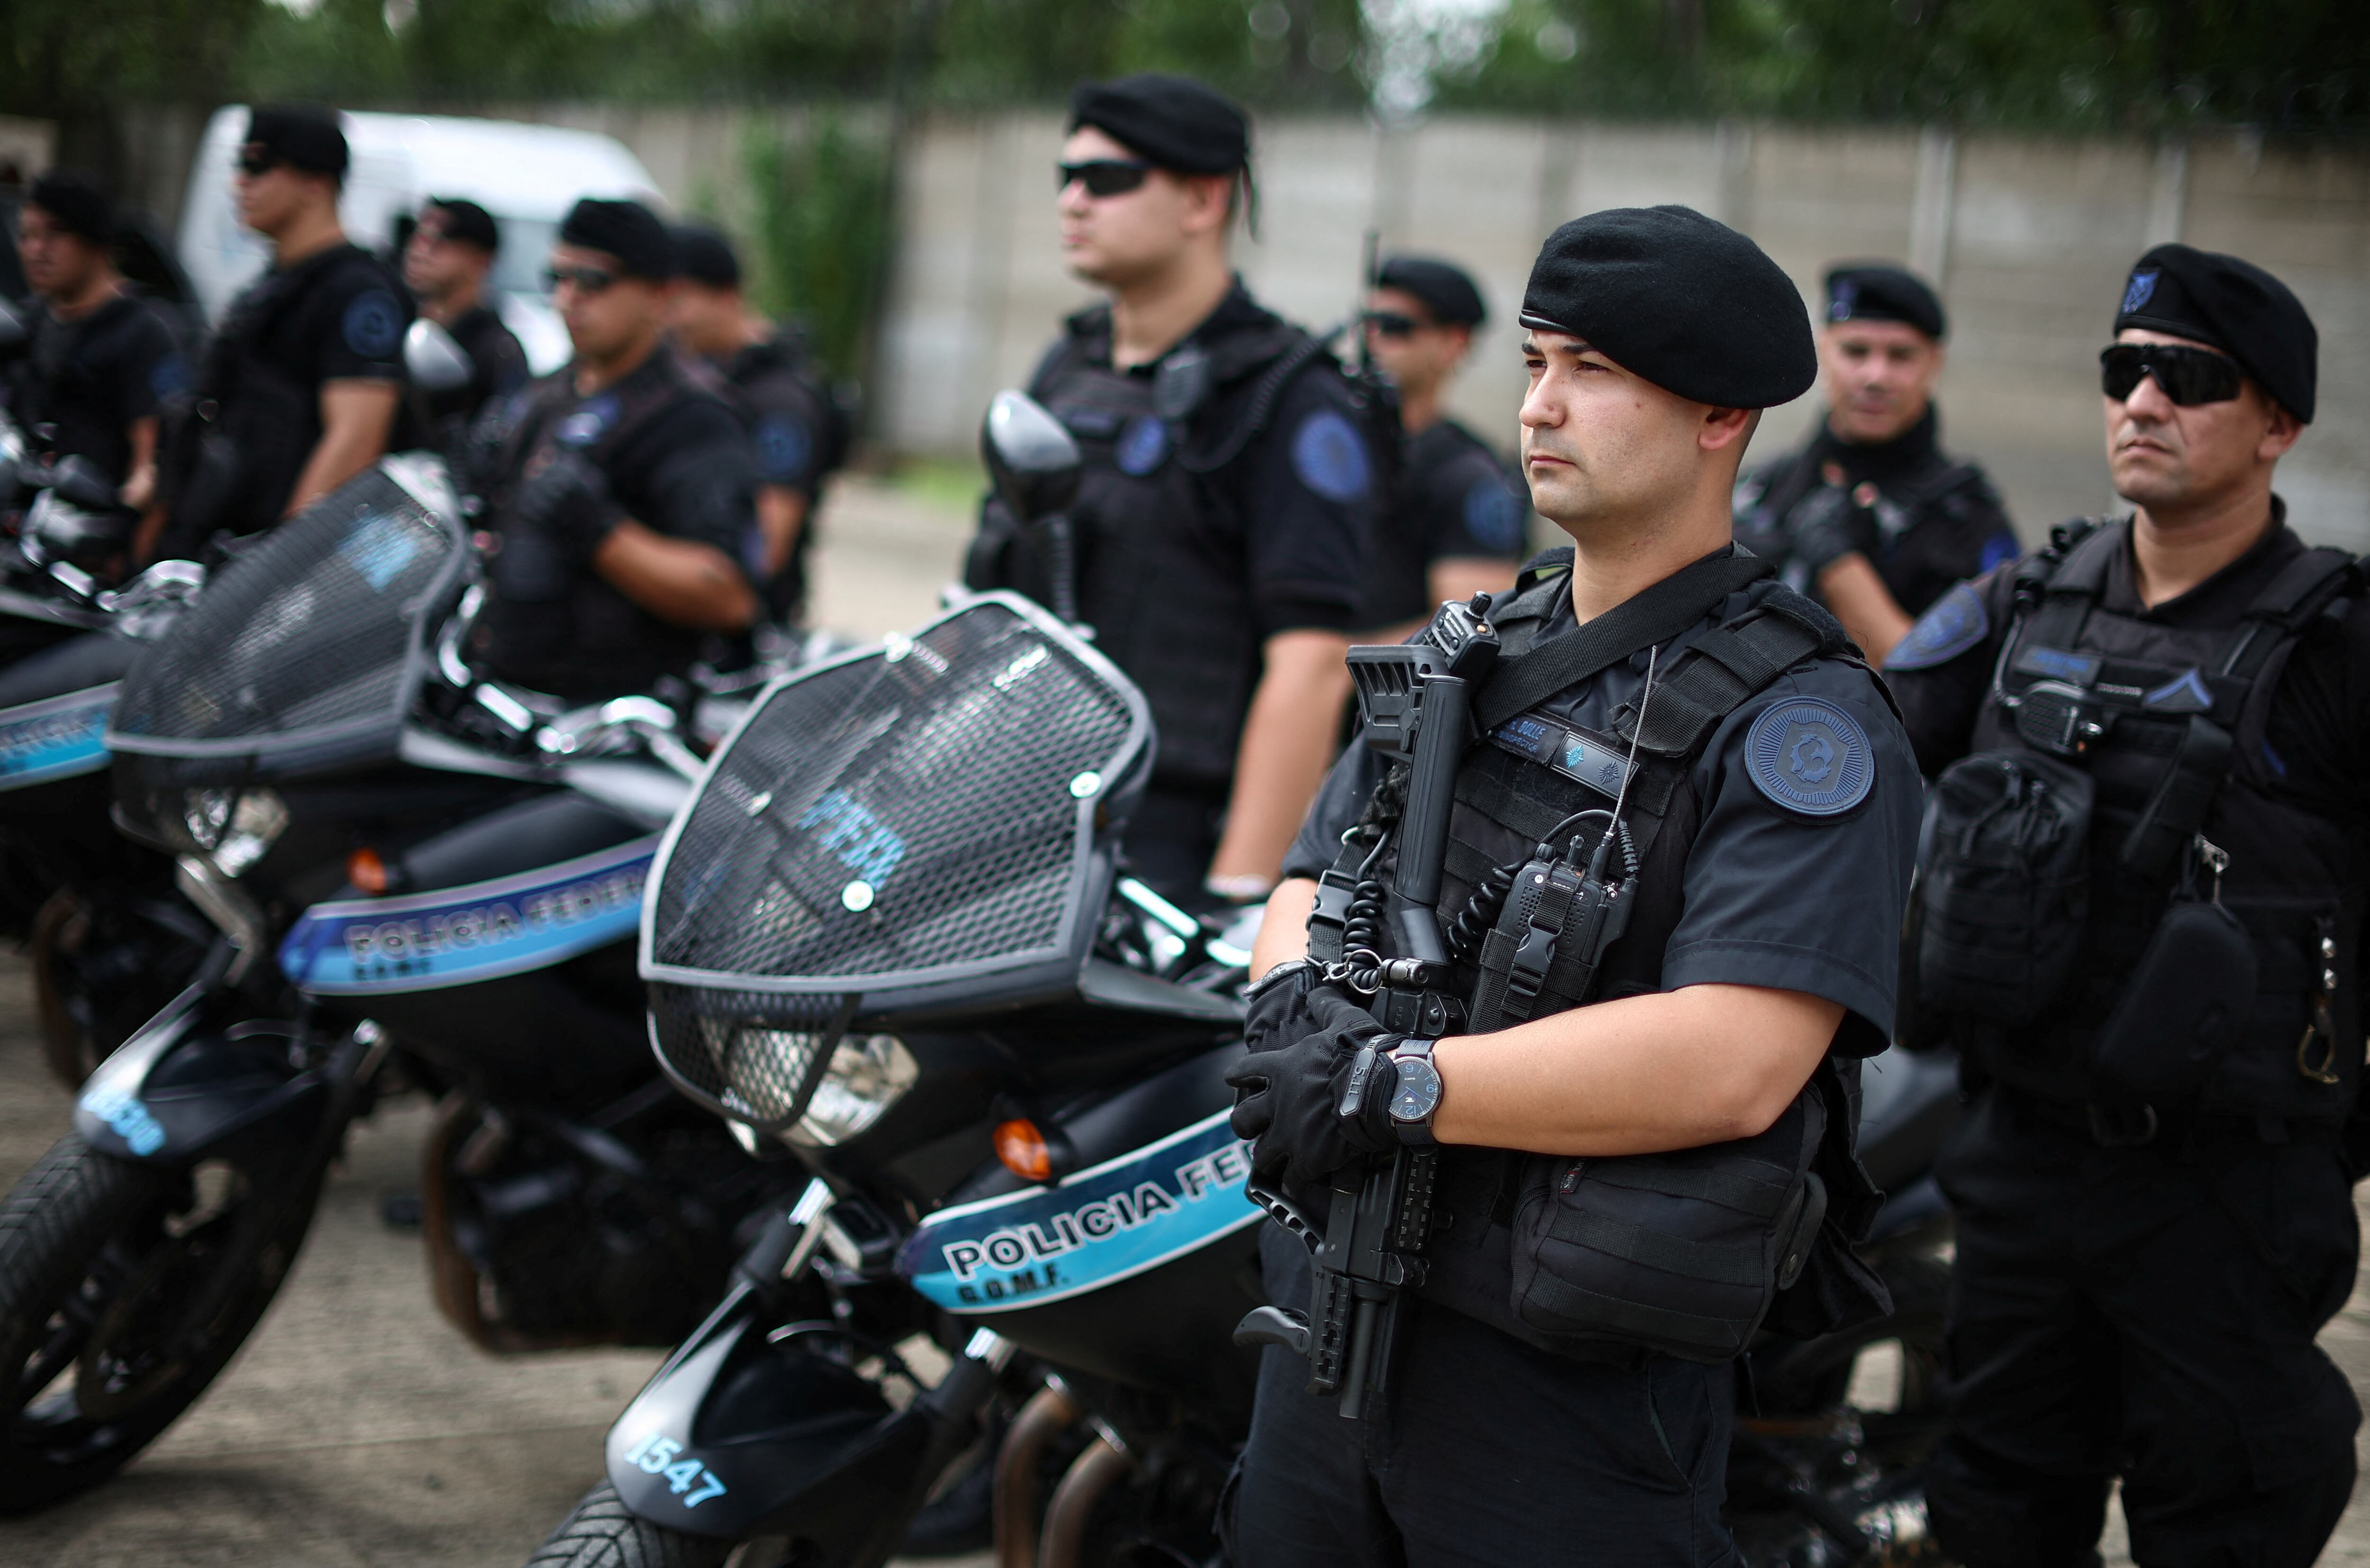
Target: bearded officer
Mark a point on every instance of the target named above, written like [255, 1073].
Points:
[624, 503]
[2153, 1183]
[1233, 487]
[1564, 1380]
[1457, 526]
[1871, 516]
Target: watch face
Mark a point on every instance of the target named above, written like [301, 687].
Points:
[1419, 1091]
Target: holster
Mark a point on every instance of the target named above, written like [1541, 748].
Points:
[2184, 1005]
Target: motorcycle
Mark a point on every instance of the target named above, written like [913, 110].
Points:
[889, 931]
[110, 939]
[414, 877]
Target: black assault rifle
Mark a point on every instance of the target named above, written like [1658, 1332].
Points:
[1415, 700]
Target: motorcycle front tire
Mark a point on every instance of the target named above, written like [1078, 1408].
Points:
[124, 1291]
[602, 1532]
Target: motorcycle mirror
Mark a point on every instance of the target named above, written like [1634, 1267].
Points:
[434, 360]
[77, 481]
[1031, 459]
[13, 333]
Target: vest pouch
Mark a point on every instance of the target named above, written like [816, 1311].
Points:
[2186, 1003]
[2005, 885]
[1680, 1253]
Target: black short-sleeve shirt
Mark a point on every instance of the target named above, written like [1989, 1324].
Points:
[497, 368]
[677, 462]
[1457, 501]
[91, 379]
[1775, 897]
[790, 427]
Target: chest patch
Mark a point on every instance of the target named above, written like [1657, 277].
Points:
[583, 427]
[1955, 623]
[1328, 457]
[1810, 758]
[1142, 442]
[373, 325]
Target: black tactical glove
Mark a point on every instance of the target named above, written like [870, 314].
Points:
[566, 503]
[1822, 529]
[1305, 1037]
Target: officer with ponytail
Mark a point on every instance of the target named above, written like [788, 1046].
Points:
[1671, 891]
[2139, 921]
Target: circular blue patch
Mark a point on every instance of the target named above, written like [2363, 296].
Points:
[583, 427]
[1143, 443]
[1954, 623]
[374, 324]
[1810, 756]
[783, 447]
[1328, 457]
[1493, 517]
[168, 377]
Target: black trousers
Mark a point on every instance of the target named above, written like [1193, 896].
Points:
[1485, 1452]
[2148, 1313]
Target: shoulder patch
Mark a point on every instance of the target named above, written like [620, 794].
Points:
[1998, 550]
[1142, 445]
[783, 447]
[1494, 517]
[1955, 623]
[374, 324]
[168, 377]
[1810, 756]
[1328, 457]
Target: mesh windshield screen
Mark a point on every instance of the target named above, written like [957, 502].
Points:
[920, 818]
[312, 636]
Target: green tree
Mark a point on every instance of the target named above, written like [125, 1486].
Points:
[75, 62]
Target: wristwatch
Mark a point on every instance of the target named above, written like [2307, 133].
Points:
[1416, 1094]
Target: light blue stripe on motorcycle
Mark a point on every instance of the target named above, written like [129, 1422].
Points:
[458, 936]
[1097, 1227]
[55, 738]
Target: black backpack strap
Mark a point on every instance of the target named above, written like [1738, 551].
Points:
[1659, 614]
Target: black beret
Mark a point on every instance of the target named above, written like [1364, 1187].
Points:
[1174, 121]
[1448, 291]
[300, 135]
[466, 221]
[626, 230]
[2236, 307]
[1689, 304]
[74, 204]
[1876, 291]
[704, 256]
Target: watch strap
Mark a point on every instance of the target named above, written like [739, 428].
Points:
[1416, 1133]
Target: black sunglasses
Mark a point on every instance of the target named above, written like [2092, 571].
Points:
[588, 280]
[2188, 377]
[1103, 177]
[1392, 324]
[255, 166]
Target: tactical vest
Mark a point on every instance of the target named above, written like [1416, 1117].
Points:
[2169, 723]
[550, 627]
[1514, 1242]
[1163, 573]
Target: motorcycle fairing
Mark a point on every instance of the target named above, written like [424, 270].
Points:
[174, 1094]
[60, 737]
[460, 936]
[1095, 1228]
[765, 1438]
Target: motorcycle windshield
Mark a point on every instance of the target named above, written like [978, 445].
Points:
[312, 643]
[925, 825]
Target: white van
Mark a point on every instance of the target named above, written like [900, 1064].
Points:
[526, 176]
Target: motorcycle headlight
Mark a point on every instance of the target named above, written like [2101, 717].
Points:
[869, 1073]
[234, 827]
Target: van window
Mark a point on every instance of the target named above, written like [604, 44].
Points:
[526, 252]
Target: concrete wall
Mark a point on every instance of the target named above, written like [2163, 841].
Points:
[2031, 240]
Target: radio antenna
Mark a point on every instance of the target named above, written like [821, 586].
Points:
[1628, 771]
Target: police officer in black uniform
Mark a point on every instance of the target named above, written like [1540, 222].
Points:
[1233, 482]
[299, 390]
[1628, 1136]
[2141, 912]
[1871, 517]
[796, 431]
[445, 264]
[101, 360]
[1458, 524]
[624, 502]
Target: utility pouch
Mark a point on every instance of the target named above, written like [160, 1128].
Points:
[1681, 1252]
[2185, 1004]
[2179, 800]
[2005, 885]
